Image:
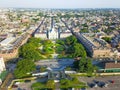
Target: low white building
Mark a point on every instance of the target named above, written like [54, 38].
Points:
[40, 35]
[2, 65]
[65, 34]
[7, 41]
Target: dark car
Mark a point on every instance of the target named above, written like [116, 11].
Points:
[27, 81]
[91, 85]
[95, 81]
[14, 86]
[83, 88]
[101, 84]
[111, 81]
[19, 89]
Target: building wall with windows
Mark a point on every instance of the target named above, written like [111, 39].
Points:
[94, 47]
[97, 53]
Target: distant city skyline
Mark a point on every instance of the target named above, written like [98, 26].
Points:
[60, 3]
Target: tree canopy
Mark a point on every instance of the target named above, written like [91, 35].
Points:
[78, 50]
[29, 51]
[24, 67]
[70, 40]
[74, 83]
[36, 49]
[70, 48]
[84, 65]
[107, 39]
[48, 47]
[34, 41]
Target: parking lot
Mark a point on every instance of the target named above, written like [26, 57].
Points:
[24, 86]
[105, 79]
[88, 80]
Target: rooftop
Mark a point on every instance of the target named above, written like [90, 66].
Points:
[7, 41]
[112, 65]
[95, 41]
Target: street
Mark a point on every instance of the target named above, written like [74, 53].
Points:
[63, 62]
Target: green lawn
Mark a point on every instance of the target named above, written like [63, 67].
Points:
[49, 85]
[74, 83]
[3, 75]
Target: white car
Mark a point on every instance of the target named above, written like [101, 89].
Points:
[106, 85]
[17, 83]
[96, 85]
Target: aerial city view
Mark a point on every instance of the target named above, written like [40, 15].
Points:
[60, 45]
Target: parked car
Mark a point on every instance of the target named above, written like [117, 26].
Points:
[101, 84]
[95, 81]
[111, 81]
[106, 85]
[14, 86]
[91, 85]
[16, 83]
[83, 88]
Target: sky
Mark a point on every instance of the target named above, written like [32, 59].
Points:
[60, 3]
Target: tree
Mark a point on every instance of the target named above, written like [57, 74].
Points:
[43, 69]
[23, 68]
[108, 31]
[84, 31]
[28, 51]
[107, 39]
[48, 47]
[31, 50]
[34, 41]
[40, 14]
[59, 48]
[84, 65]
[85, 25]
[70, 48]
[50, 84]
[38, 86]
[74, 83]
[78, 50]
[70, 40]
[61, 42]
[65, 83]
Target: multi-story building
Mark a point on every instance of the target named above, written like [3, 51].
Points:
[95, 47]
[9, 47]
[42, 35]
[65, 34]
